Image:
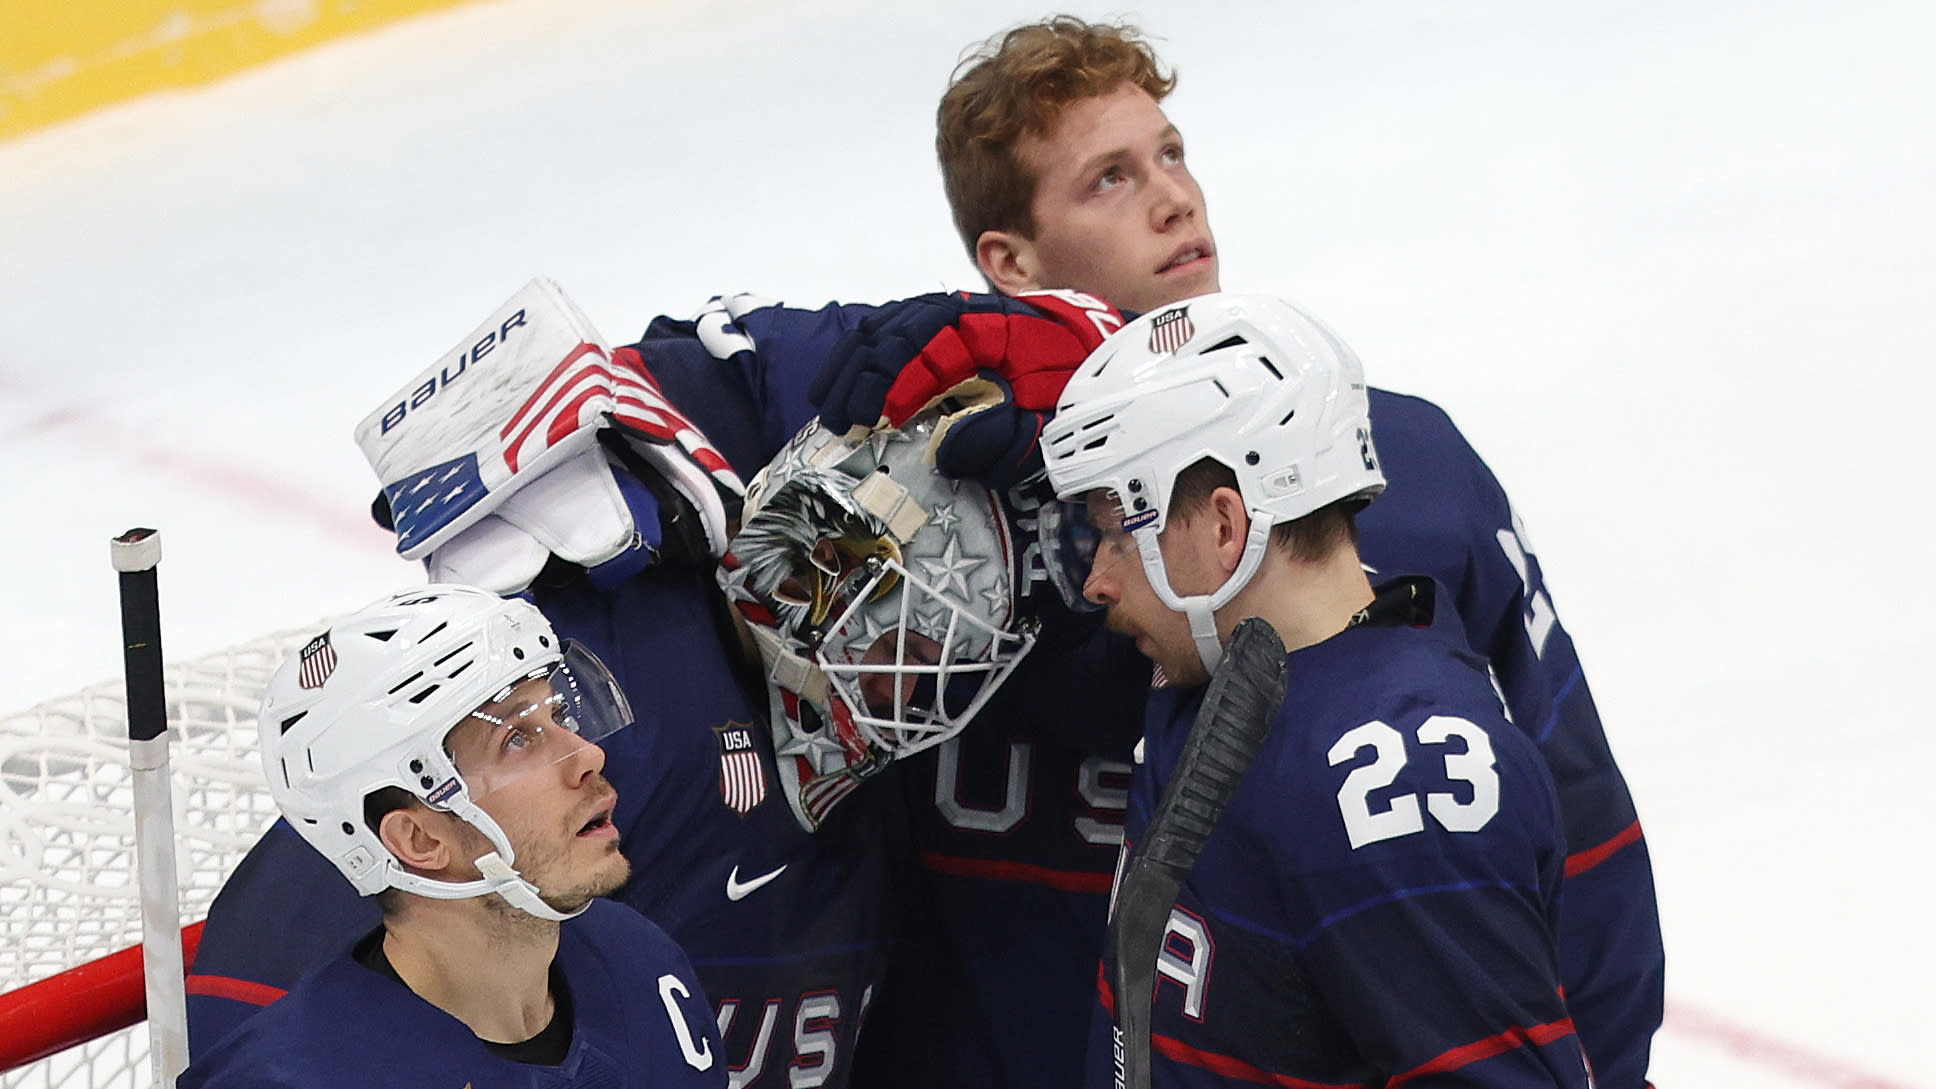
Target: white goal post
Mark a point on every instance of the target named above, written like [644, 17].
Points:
[68, 891]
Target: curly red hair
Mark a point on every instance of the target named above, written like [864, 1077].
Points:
[1017, 84]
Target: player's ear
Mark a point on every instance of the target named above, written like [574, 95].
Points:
[1231, 522]
[1008, 262]
[419, 837]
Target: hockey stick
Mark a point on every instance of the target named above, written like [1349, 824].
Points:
[1237, 712]
[135, 555]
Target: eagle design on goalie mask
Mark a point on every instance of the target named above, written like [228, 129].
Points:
[884, 601]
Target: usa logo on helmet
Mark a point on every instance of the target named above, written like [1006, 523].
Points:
[1171, 331]
[318, 662]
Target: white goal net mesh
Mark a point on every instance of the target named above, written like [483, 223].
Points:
[68, 892]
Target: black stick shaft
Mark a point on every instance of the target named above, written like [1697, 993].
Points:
[135, 554]
[141, 647]
[1237, 713]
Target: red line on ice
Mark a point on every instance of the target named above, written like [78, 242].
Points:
[100, 432]
[1771, 1054]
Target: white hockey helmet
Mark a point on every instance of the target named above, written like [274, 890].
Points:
[1249, 381]
[369, 703]
[884, 600]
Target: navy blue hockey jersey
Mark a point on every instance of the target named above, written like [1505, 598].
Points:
[787, 931]
[1443, 514]
[1005, 911]
[1379, 901]
[638, 1020]
[1014, 824]
[990, 879]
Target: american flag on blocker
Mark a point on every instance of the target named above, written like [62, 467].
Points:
[524, 392]
[742, 780]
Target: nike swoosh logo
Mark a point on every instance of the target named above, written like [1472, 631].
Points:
[738, 890]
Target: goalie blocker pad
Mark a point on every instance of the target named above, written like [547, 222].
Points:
[490, 460]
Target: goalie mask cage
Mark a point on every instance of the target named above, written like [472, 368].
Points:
[68, 891]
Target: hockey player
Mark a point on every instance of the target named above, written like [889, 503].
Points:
[1379, 900]
[547, 448]
[438, 748]
[1063, 172]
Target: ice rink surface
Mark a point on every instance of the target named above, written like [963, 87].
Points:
[1668, 264]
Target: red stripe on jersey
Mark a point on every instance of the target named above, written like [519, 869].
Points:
[1515, 1037]
[1220, 1065]
[1065, 880]
[1225, 1066]
[1585, 860]
[241, 990]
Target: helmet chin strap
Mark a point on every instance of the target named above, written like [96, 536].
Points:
[495, 865]
[1201, 609]
[1202, 614]
[518, 892]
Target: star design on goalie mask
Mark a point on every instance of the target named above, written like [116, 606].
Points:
[788, 462]
[932, 615]
[949, 571]
[945, 518]
[871, 628]
[820, 750]
[733, 583]
[996, 599]
[879, 441]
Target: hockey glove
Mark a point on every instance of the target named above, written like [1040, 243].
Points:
[491, 461]
[994, 366]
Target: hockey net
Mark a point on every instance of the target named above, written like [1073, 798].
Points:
[68, 892]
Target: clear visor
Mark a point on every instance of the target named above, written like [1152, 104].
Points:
[1068, 540]
[537, 721]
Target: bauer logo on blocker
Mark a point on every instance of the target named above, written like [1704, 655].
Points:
[445, 376]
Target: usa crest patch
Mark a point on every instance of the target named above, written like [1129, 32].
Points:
[318, 661]
[742, 780]
[1171, 331]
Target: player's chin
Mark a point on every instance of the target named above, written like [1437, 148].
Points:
[1186, 281]
[617, 873]
[608, 879]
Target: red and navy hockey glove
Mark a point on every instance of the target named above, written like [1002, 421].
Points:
[995, 366]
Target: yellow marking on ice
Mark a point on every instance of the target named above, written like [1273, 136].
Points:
[62, 58]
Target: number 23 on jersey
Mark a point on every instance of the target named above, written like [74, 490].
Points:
[1439, 738]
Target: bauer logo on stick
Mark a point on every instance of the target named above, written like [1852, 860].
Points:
[318, 662]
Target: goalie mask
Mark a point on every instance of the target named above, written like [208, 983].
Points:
[883, 598]
[378, 700]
